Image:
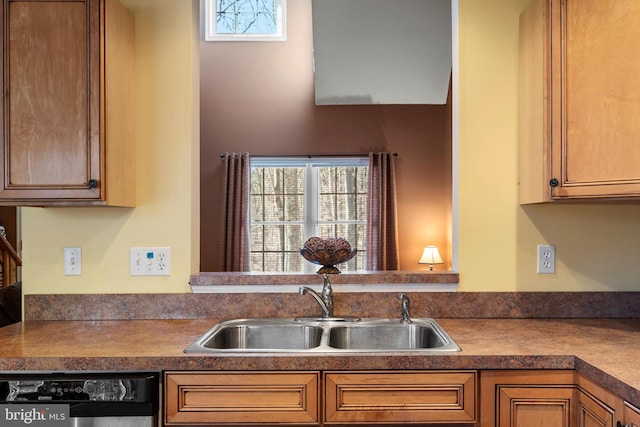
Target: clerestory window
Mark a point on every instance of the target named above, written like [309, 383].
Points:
[293, 199]
[245, 20]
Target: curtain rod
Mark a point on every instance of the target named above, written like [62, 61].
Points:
[309, 156]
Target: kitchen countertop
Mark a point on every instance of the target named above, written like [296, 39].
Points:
[605, 350]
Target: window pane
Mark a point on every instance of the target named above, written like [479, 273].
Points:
[257, 241]
[328, 208]
[294, 208]
[273, 180]
[257, 174]
[346, 207]
[293, 262]
[273, 208]
[361, 209]
[294, 180]
[273, 262]
[246, 17]
[343, 180]
[273, 237]
[257, 263]
[257, 208]
[294, 237]
[363, 179]
[326, 180]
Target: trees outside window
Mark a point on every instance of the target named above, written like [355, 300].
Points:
[248, 20]
[294, 199]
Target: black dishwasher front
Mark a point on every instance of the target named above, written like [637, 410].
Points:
[79, 399]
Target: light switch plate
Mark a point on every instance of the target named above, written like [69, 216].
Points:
[145, 261]
[72, 261]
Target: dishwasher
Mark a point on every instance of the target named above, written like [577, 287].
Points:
[78, 399]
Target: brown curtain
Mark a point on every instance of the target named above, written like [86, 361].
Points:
[234, 243]
[382, 229]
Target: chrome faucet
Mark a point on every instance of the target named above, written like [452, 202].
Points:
[405, 308]
[325, 300]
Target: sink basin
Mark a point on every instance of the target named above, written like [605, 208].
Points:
[339, 335]
[389, 337]
[262, 335]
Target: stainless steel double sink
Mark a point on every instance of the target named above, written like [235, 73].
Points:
[325, 335]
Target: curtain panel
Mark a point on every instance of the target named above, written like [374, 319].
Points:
[235, 239]
[382, 228]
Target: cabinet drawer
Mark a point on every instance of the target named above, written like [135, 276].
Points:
[407, 397]
[241, 398]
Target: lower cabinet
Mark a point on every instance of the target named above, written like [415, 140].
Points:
[630, 416]
[550, 398]
[433, 398]
[527, 398]
[500, 398]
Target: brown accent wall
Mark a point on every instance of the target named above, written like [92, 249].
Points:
[257, 97]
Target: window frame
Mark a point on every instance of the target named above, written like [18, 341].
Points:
[311, 188]
[209, 23]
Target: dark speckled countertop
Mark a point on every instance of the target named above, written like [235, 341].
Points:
[605, 350]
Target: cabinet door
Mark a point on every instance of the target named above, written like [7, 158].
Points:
[51, 120]
[240, 398]
[527, 398]
[596, 97]
[580, 100]
[594, 413]
[69, 82]
[631, 415]
[431, 397]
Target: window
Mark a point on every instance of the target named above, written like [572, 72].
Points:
[244, 20]
[293, 199]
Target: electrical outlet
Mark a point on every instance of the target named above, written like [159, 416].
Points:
[546, 259]
[72, 262]
[150, 262]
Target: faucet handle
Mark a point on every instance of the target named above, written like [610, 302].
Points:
[406, 318]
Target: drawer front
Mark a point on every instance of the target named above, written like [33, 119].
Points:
[407, 397]
[241, 398]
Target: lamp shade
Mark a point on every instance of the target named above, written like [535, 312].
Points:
[430, 256]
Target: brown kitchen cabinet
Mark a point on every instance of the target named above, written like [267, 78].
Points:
[527, 398]
[68, 107]
[630, 416]
[400, 397]
[579, 100]
[240, 398]
[562, 398]
[321, 398]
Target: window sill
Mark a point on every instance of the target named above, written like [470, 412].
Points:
[376, 281]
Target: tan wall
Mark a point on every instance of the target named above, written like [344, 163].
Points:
[597, 246]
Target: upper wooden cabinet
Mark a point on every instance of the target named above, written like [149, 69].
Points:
[67, 112]
[579, 100]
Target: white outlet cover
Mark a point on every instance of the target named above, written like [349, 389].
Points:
[150, 261]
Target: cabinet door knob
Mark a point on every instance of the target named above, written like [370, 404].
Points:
[92, 183]
[553, 182]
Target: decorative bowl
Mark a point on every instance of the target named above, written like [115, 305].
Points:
[327, 253]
